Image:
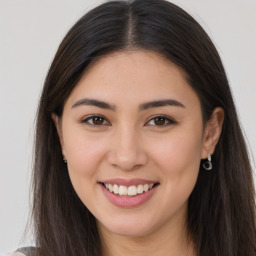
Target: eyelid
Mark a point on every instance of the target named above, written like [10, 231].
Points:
[170, 121]
[85, 119]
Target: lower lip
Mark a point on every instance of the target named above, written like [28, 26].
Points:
[128, 201]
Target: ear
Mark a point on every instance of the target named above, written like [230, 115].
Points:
[57, 121]
[212, 132]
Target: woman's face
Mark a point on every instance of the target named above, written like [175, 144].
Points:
[133, 122]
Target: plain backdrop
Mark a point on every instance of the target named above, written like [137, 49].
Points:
[30, 32]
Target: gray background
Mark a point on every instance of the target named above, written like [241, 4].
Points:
[30, 32]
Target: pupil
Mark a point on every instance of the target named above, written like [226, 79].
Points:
[159, 121]
[98, 120]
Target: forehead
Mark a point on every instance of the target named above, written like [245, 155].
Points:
[133, 76]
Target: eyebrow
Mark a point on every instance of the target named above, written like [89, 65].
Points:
[93, 102]
[160, 103]
[144, 106]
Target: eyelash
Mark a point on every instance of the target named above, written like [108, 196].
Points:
[87, 119]
[167, 121]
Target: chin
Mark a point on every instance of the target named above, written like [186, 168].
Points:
[137, 228]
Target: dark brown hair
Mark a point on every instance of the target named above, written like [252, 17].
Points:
[221, 208]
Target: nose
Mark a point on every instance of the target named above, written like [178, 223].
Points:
[126, 150]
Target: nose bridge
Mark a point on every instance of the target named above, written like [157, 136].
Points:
[126, 150]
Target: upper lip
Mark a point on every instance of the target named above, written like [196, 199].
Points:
[128, 182]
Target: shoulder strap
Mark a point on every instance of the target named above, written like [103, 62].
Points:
[28, 251]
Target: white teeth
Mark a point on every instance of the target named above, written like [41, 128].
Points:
[110, 187]
[140, 189]
[123, 191]
[116, 189]
[130, 191]
[146, 187]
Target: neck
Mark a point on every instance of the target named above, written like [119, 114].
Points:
[170, 239]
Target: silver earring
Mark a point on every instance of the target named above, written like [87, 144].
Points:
[64, 159]
[208, 165]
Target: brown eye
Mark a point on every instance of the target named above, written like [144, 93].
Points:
[95, 120]
[160, 121]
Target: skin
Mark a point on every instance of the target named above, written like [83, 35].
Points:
[130, 143]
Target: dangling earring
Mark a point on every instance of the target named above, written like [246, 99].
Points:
[64, 159]
[208, 165]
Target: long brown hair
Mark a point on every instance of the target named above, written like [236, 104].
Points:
[221, 208]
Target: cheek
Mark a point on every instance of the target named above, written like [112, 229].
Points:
[84, 153]
[178, 160]
[178, 149]
[178, 157]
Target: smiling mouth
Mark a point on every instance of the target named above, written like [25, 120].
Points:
[128, 191]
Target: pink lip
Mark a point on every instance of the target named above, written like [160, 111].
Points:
[128, 201]
[130, 182]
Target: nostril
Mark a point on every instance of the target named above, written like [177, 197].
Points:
[127, 159]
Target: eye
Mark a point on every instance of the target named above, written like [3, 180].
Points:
[95, 120]
[160, 121]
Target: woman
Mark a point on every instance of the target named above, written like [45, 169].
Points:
[138, 145]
